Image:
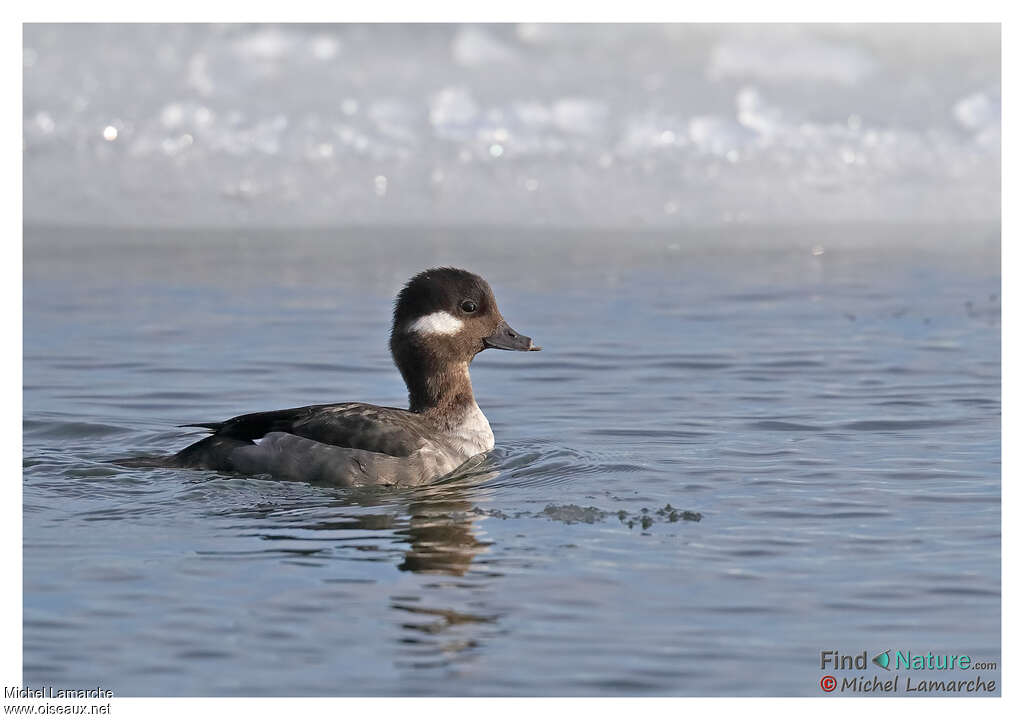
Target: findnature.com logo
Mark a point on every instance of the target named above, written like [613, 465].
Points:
[901, 660]
[892, 661]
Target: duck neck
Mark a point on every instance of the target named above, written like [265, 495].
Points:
[445, 394]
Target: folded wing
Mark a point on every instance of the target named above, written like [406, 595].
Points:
[391, 431]
[346, 443]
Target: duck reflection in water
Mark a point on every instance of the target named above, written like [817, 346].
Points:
[438, 525]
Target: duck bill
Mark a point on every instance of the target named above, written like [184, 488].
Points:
[505, 338]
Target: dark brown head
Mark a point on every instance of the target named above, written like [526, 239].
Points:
[443, 318]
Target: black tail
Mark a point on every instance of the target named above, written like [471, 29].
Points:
[210, 453]
[214, 426]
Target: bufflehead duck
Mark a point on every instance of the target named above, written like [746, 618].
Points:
[443, 317]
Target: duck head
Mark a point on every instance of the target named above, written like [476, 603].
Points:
[443, 318]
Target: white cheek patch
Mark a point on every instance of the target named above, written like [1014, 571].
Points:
[438, 323]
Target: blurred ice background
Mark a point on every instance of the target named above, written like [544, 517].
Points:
[620, 125]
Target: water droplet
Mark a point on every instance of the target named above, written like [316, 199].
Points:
[380, 185]
[110, 133]
[531, 184]
[496, 150]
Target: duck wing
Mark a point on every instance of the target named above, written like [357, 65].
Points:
[391, 431]
[341, 444]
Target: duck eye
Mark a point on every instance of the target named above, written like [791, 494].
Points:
[468, 306]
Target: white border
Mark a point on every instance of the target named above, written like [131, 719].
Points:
[521, 11]
[534, 11]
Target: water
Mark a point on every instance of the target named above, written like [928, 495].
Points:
[740, 447]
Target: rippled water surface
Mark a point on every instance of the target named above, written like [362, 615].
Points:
[738, 448]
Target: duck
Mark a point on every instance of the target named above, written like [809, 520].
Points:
[443, 318]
